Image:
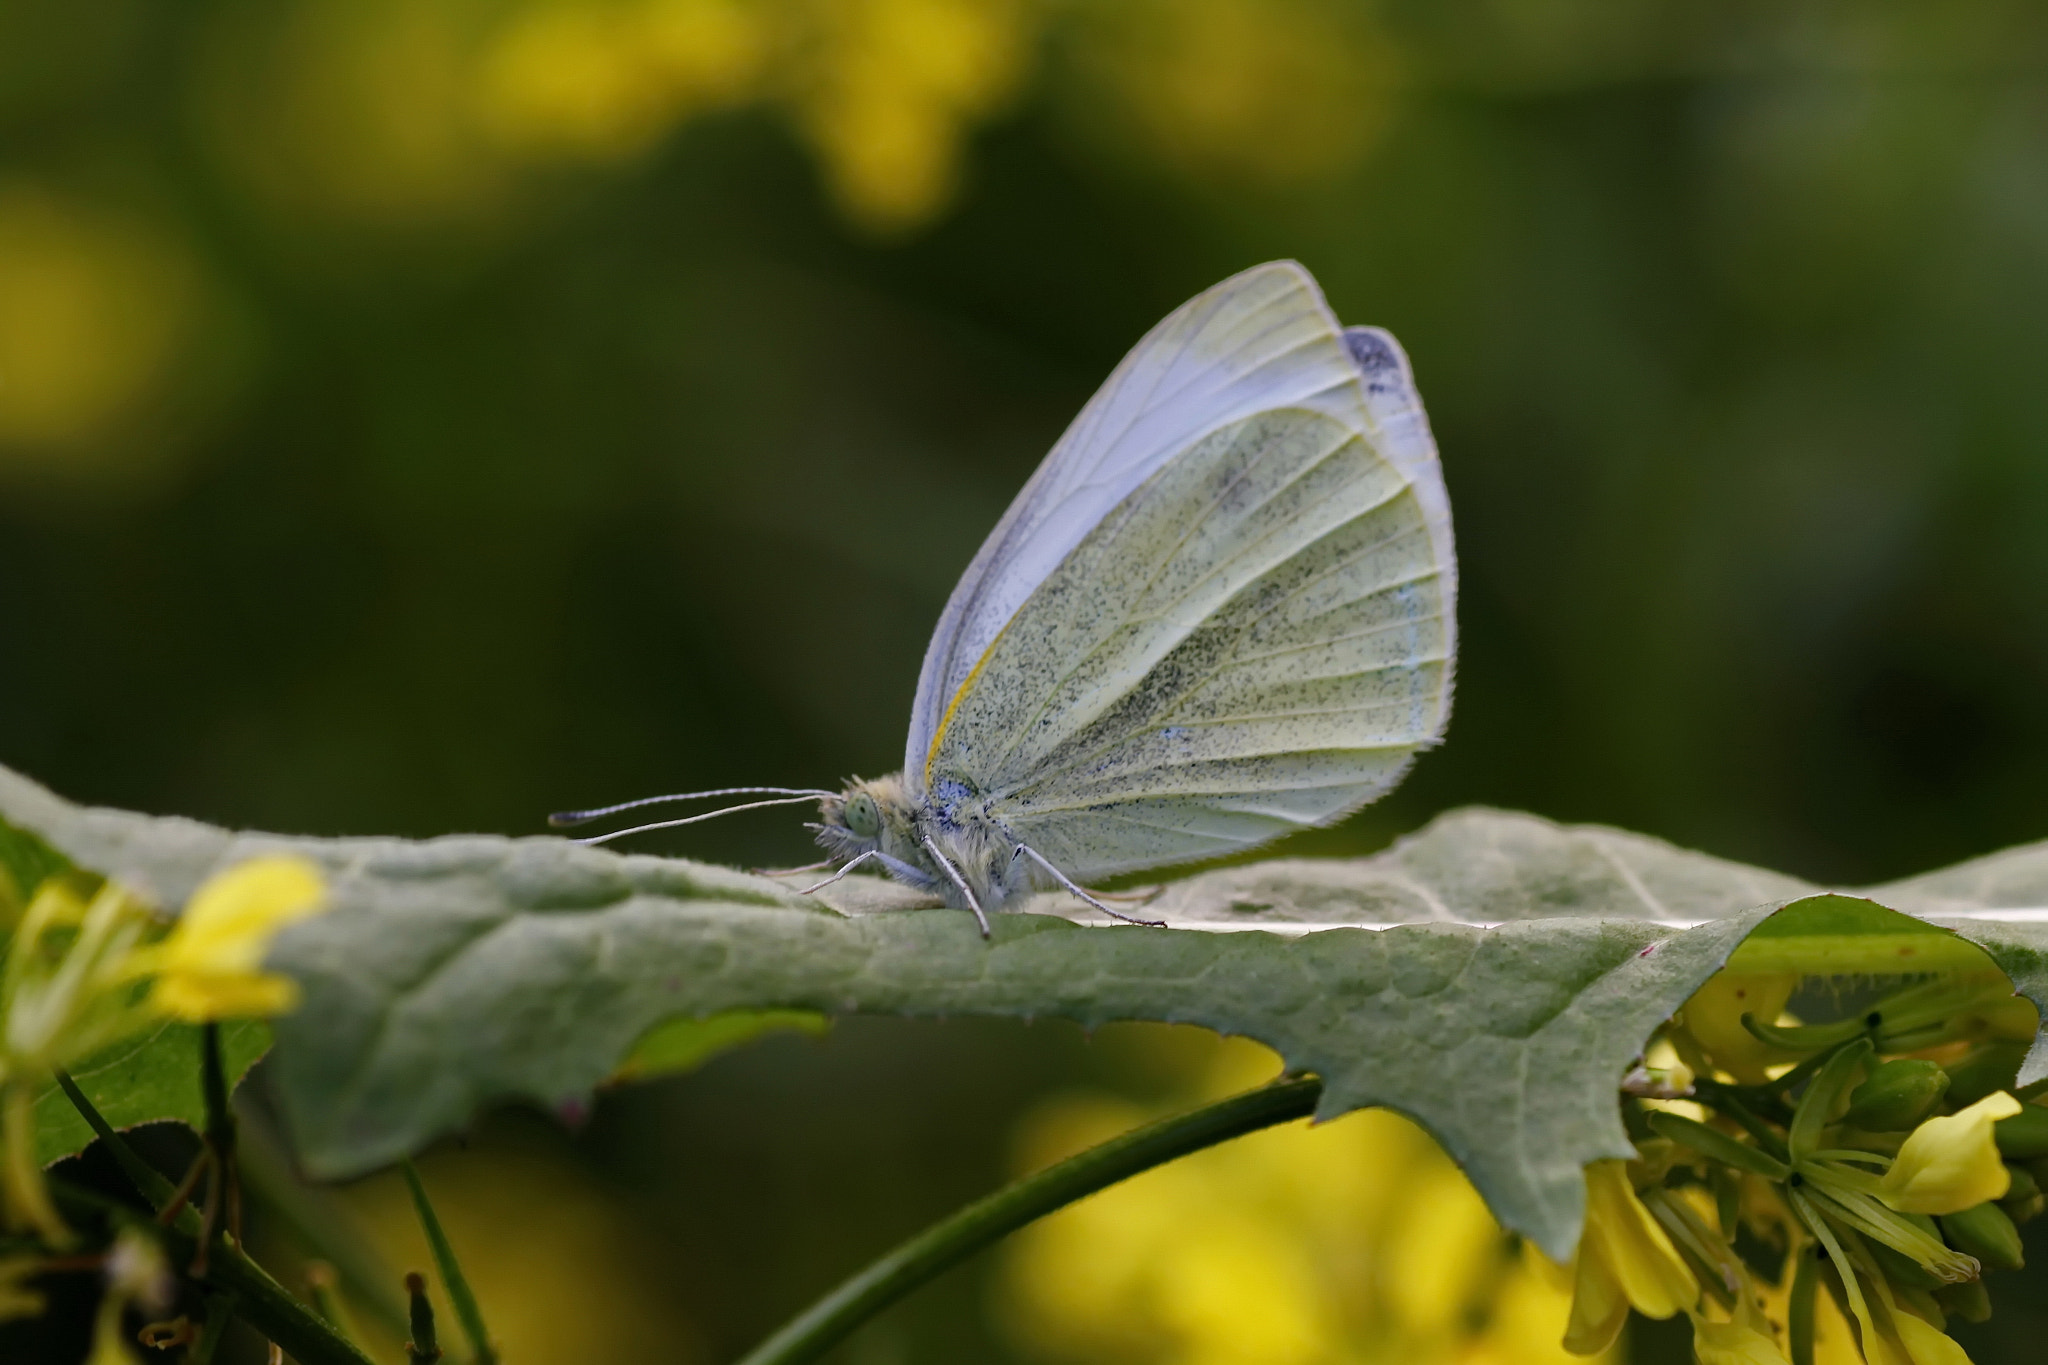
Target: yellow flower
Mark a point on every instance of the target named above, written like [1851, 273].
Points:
[1926, 1343]
[210, 966]
[1893, 1335]
[17, 1299]
[1733, 1343]
[1713, 1020]
[137, 1275]
[1950, 1164]
[1625, 1260]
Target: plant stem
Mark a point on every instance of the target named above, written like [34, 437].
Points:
[223, 1185]
[319, 1223]
[220, 1311]
[323, 1284]
[424, 1348]
[825, 1323]
[147, 1180]
[480, 1349]
[260, 1300]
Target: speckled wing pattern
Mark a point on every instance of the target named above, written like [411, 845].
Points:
[1258, 341]
[1254, 636]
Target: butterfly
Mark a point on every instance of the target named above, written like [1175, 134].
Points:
[1222, 609]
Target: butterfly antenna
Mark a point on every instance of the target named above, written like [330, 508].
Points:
[564, 819]
[693, 819]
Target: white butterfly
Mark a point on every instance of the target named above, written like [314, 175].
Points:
[1221, 610]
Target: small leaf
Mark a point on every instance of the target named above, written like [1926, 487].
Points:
[150, 1079]
[676, 1045]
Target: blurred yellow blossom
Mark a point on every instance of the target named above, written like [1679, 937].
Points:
[888, 90]
[606, 80]
[403, 111]
[17, 1299]
[210, 965]
[82, 972]
[1259, 91]
[354, 112]
[1352, 1240]
[94, 308]
[138, 1276]
[1625, 1260]
[1952, 1163]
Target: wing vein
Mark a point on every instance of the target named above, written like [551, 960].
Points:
[1165, 562]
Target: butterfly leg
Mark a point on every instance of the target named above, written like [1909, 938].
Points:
[851, 864]
[1068, 883]
[953, 876]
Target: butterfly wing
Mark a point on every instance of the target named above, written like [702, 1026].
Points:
[1258, 340]
[1254, 637]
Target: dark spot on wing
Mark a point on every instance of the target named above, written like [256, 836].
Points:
[1379, 360]
[1370, 350]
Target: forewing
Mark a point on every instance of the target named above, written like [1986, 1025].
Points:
[1260, 340]
[1256, 639]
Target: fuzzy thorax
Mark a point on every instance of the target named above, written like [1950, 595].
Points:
[878, 818]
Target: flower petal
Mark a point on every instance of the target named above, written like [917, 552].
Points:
[1731, 1343]
[1950, 1164]
[209, 965]
[1651, 1273]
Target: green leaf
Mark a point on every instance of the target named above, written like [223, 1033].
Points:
[150, 1079]
[684, 1044]
[25, 861]
[1493, 975]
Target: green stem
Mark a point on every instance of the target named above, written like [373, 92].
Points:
[480, 1349]
[220, 1311]
[324, 1285]
[1799, 1327]
[425, 1347]
[147, 1180]
[261, 1301]
[321, 1226]
[825, 1323]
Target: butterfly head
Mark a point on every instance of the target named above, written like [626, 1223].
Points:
[870, 816]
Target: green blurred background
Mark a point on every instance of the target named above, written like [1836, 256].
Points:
[419, 415]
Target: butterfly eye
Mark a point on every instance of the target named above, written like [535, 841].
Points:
[863, 817]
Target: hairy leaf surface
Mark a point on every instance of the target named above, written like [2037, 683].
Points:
[1492, 975]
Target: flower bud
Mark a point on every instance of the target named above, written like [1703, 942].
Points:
[2024, 1136]
[1985, 1070]
[1967, 1301]
[1950, 1164]
[1901, 1269]
[2023, 1211]
[2023, 1201]
[1897, 1096]
[1985, 1232]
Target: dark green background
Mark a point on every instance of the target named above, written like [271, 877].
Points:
[1733, 334]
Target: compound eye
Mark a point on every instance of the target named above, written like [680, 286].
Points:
[863, 817]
